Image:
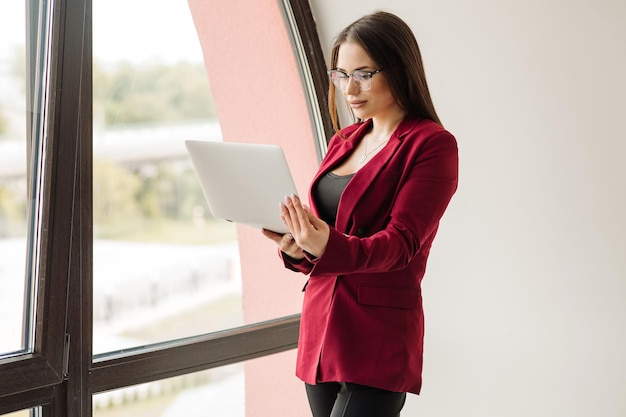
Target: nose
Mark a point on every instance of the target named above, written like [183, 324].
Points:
[351, 86]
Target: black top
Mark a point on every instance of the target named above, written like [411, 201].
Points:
[327, 193]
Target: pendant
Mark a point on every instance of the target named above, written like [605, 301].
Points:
[362, 159]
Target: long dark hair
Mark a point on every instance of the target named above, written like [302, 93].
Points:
[389, 41]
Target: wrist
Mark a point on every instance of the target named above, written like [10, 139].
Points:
[293, 258]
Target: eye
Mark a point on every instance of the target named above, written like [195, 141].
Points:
[361, 75]
[338, 77]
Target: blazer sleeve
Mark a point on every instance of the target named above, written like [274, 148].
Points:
[298, 265]
[306, 265]
[423, 193]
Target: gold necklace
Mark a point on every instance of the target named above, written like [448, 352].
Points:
[365, 153]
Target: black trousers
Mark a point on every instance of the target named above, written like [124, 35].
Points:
[341, 399]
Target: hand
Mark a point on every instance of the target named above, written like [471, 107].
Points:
[286, 243]
[310, 233]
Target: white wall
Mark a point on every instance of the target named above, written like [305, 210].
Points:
[525, 295]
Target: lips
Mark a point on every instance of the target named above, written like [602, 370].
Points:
[355, 104]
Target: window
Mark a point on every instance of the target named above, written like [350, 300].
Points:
[219, 391]
[23, 413]
[23, 79]
[53, 370]
[163, 267]
[13, 190]
[30, 376]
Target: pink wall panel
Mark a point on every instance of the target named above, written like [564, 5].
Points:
[259, 98]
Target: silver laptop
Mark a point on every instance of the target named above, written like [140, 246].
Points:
[243, 182]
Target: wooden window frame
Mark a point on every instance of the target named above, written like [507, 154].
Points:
[35, 379]
[61, 375]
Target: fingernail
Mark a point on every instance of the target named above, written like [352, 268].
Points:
[286, 199]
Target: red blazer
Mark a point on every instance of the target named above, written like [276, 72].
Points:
[362, 318]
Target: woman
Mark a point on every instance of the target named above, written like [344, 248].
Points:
[375, 203]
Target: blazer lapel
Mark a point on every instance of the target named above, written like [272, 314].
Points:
[361, 182]
[365, 176]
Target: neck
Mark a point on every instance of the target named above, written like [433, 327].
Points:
[383, 127]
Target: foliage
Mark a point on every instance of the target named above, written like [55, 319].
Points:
[114, 189]
[127, 93]
[154, 93]
[4, 124]
[163, 202]
[148, 203]
[166, 204]
[12, 214]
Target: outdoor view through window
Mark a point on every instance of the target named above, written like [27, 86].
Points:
[163, 267]
[21, 137]
[12, 175]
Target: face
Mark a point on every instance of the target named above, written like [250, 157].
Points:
[376, 102]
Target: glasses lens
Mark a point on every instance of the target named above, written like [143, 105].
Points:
[363, 79]
[338, 78]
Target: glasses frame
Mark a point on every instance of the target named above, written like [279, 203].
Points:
[342, 81]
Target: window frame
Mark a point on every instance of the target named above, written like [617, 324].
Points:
[308, 50]
[33, 379]
[64, 327]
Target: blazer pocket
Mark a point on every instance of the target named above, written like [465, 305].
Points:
[389, 296]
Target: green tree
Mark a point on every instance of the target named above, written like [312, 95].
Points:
[128, 205]
[172, 193]
[157, 93]
[115, 189]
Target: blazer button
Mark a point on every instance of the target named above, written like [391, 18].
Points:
[361, 231]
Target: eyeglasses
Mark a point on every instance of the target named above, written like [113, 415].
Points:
[362, 78]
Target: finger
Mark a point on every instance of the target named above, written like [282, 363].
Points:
[286, 216]
[291, 214]
[276, 237]
[286, 242]
[297, 202]
[315, 221]
[290, 247]
[301, 214]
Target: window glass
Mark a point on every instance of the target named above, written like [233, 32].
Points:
[13, 181]
[23, 413]
[163, 267]
[23, 83]
[264, 386]
[218, 392]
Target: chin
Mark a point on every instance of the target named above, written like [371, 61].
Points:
[361, 115]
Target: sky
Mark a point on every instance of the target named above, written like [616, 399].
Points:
[137, 31]
[134, 31]
[11, 27]
[144, 30]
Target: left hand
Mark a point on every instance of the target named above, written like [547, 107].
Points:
[309, 231]
[285, 243]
